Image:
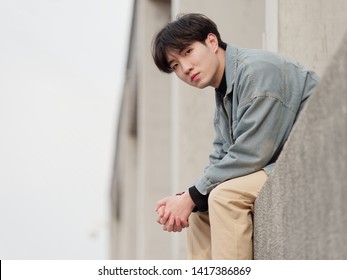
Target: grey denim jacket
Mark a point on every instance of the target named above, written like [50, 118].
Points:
[265, 93]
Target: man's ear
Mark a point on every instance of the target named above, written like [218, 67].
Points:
[212, 41]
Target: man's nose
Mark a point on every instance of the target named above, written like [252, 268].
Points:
[186, 66]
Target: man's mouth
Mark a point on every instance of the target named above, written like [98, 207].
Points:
[194, 77]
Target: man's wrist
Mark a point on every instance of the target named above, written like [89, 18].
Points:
[188, 198]
[200, 200]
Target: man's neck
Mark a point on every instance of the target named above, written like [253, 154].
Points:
[220, 70]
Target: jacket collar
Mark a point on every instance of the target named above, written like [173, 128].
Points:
[230, 66]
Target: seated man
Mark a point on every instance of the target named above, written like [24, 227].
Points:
[258, 96]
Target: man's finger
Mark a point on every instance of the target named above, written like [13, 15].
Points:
[159, 204]
[170, 224]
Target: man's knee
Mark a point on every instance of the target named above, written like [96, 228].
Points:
[220, 194]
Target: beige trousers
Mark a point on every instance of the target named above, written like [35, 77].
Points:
[226, 230]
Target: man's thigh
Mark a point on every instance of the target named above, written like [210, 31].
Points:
[244, 188]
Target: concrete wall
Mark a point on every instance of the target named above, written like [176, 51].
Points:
[154, 139]
[301, 213]
[143, 164]
[310, 31]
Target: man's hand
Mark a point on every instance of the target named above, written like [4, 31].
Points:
[174, 211]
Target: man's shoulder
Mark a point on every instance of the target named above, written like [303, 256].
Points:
[256, 58]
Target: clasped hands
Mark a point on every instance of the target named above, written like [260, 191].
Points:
[174, 211]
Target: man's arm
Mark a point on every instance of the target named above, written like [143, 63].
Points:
[262, 129]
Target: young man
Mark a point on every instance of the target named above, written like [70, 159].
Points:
[258, 98]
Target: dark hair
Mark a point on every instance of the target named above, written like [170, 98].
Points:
[179, 34]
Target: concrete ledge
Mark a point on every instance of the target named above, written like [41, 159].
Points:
[301, 213]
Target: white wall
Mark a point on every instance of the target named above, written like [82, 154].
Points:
[61, 67]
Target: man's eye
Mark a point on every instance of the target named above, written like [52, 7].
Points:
[188, 51]
[174, 66]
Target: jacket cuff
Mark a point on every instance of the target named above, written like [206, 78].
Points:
[200, 200]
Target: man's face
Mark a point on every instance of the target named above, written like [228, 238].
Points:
[198, 64]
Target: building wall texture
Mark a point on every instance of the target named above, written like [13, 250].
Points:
[311, 30]
[165, 128]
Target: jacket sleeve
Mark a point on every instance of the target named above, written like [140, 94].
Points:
[263, 125]
[218, 152]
